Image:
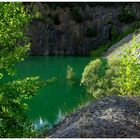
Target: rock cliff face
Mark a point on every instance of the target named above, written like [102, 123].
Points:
[111, 117]
[78, 28]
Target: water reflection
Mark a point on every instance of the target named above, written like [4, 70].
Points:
[42, 122]
[53, 101]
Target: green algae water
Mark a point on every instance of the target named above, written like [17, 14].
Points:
[52, 102]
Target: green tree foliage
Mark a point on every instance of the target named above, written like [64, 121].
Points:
[127, 73]
[13, 119]
[13, 19]
[93, 78]
[120, 75]
[126, 15]
[13, 48]
[70, 72]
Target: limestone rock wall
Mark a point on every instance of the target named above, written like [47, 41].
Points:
[76, 28]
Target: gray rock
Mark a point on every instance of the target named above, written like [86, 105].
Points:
[69, 37]
[111, 117]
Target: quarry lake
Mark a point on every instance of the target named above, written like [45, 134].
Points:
[53, 101]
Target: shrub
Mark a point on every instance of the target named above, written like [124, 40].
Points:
[127, 72]
[93, 78]
[120, 75]
[126, 15]
[70, 72]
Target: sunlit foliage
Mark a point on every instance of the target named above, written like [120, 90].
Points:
[120, 75]
[70, 72]
[14, 46]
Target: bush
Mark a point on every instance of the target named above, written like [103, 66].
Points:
[93, 78]
[119, 76]
[126, 16]
[127, 72]
[70, 72]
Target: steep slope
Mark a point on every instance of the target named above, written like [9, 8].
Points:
[111, 117]
[116, 49]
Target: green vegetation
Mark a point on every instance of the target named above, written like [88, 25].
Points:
[36, 14]
[117, 75]
[93, 78]
[99, 51]
[127, 71]
[13, 119]
[114, 33]
[115, 38]
[70, 72]
[120, 75]
[126, 15]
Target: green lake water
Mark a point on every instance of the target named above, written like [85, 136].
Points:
[53, 101]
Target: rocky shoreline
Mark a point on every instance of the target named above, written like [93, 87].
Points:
[111, 117]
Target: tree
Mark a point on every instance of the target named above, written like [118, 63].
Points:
[120, 75]
[14, 45]
[70, 72]
[127, 73]
[93, 78]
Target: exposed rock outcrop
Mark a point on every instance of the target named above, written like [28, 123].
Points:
[77, 28]
[111, 117]
[117, 48]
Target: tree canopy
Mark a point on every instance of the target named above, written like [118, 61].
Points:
[14, 20]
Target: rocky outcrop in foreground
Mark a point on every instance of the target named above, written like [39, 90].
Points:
[111, 117]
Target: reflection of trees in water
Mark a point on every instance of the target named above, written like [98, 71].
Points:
[59, 117]
[73, 82]
[41, 123]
